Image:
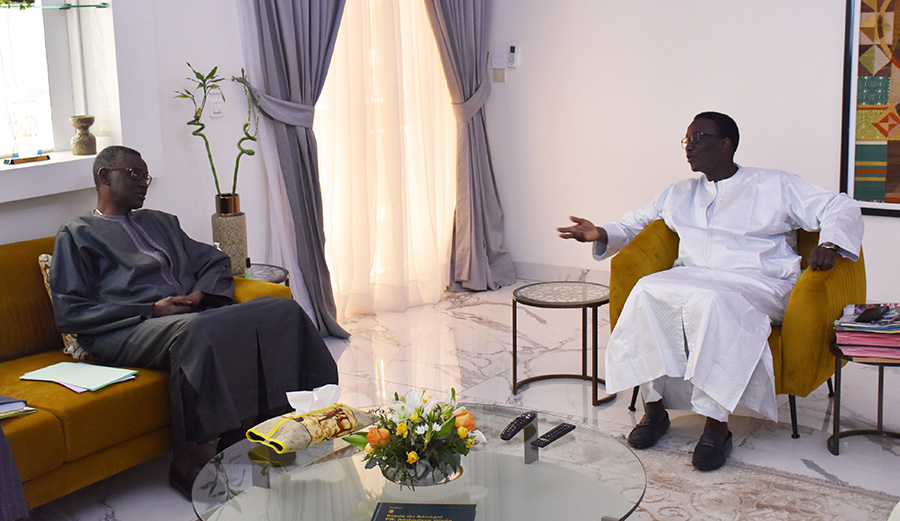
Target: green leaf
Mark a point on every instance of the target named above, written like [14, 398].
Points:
[446, 427]
[357, 440]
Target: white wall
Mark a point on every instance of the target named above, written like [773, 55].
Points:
[153, 41]
[590, 122]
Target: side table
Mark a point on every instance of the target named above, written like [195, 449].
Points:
[834, 440]
[571, 295]
[270, 273]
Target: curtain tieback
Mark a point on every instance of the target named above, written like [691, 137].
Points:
[288, 112]
[466, 110]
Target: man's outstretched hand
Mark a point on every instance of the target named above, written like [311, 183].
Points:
[822, 259]
[582, 231]
[177, 304]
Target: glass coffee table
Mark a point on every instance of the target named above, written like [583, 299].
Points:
[583, 475]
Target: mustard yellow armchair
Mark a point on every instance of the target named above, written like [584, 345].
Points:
[800, 346]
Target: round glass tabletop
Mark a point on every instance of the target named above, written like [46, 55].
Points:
[582, 475]
[562, 294]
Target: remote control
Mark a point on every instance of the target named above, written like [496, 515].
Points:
[518, 423]
[553, 434]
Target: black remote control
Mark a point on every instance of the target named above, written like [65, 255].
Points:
[553, 434]
[518, 423]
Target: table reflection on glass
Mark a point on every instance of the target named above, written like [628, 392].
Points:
[584, 475]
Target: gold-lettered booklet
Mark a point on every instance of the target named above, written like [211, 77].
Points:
[423, 512]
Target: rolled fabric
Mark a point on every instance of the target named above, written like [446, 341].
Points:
[296, 431]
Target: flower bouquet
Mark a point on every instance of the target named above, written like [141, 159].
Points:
[418, 439]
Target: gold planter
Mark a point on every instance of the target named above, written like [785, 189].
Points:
[229, 229]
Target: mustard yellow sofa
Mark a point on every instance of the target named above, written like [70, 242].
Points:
[74, 440]
[800, 345]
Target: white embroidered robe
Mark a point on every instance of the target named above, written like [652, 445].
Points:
[705, 323]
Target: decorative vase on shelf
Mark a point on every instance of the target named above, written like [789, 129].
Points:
[229, 229]
[83, 142]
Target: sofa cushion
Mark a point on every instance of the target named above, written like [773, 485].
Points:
[36, 441]
[26, 318]
[70, 340]
[92, 421]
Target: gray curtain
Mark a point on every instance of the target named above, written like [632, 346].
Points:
[478, 260]
[296, 42]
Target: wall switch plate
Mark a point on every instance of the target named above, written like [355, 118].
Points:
[499, 75]
[216, 107]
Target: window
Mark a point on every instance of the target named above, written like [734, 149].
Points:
[55, 62]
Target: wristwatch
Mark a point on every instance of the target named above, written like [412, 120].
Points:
[828, 245]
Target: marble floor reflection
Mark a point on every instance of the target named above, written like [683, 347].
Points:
[464, 342]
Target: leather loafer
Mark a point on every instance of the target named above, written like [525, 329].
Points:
[646, 433]
[711, 452]
[181, 482]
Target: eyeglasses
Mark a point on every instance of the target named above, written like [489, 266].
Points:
[136, 175]
[695, 138]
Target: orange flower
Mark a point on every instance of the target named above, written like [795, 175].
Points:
[465, 419]
[377, 436]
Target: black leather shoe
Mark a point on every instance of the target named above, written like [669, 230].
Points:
[646, 433]
[710, 452]
[181, 482]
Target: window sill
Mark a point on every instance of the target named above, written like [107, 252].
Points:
[63, 172]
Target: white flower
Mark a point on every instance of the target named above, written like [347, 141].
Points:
[479, 437]
[413, 399]
[420, 430]
[431, 405]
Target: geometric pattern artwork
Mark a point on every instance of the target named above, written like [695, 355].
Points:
[876, 168]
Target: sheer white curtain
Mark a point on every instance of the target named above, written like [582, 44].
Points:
[387, 160]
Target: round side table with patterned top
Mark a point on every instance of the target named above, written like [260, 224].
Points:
[564, 295]
[270, 273]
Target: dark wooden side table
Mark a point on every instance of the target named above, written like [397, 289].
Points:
[834, 441]
[571, 295]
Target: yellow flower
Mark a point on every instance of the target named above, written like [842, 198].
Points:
[412, 457]
[402, 429]
[369, 448]
[463, 432]
[470, 443]
[414, 416]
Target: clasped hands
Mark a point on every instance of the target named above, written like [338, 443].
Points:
[177, 304]
[820, 259]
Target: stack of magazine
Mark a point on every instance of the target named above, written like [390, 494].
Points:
[10, 407]
[869, 332]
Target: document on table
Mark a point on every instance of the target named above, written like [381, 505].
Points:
[87, 376]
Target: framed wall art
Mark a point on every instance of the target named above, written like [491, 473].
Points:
[870, 148]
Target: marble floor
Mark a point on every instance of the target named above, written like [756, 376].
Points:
[464, 342]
